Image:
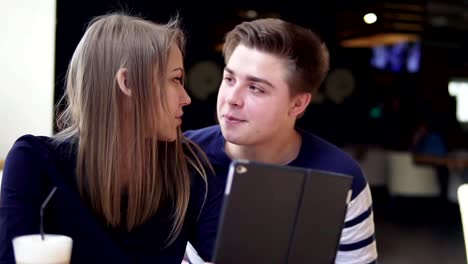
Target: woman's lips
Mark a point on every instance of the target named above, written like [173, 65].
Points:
[179, 119]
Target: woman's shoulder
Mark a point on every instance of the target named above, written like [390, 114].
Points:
[36, 149]
[28, 153]
[31, 144]
[26, 165]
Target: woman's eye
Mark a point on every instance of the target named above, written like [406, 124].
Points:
[179, 80]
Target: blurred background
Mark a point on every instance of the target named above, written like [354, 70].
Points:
[396, 97]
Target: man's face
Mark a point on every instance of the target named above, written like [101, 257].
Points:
[254, 102]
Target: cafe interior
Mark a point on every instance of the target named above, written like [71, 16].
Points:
[398, 70]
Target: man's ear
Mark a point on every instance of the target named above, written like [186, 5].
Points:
[121, 77]
[299, 104]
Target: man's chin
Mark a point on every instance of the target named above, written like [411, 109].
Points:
[232, 136]
[236, 140]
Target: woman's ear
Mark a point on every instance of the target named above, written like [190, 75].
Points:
[299, 104]
[122, 81]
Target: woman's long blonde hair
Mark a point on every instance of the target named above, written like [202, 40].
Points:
[93, 116]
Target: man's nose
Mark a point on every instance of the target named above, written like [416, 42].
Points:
[235, 96]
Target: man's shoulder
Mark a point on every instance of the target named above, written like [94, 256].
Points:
[205, 135]
[329, 152]
[324, 155]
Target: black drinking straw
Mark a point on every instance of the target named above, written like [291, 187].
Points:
[42, 210]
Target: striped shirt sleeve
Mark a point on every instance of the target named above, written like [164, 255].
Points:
[357, 242]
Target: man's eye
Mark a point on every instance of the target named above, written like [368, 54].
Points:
[256, 89]
[228, 79]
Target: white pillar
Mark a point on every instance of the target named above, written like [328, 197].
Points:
[27, 57]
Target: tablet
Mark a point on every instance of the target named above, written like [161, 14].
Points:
[281, 214]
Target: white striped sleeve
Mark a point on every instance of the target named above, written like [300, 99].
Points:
[357, 242]
[358, 256]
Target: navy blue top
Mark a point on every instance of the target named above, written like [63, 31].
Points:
[357, 243]
[34, 166]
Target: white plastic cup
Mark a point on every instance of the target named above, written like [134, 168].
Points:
[54, 249]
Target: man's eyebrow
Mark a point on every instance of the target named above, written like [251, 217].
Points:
[251, 78]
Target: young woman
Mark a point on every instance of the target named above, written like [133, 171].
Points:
[130, 187]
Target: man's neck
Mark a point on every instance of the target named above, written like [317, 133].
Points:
[279, 151]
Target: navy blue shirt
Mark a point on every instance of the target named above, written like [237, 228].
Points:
[357, 243]
[35, 165]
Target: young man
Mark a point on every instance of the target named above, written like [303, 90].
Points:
[273, 68]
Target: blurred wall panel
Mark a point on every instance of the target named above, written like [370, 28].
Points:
[26, 69]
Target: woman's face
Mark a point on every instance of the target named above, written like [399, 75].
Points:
[176, 96]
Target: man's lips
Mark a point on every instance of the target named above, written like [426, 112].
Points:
[231, 118]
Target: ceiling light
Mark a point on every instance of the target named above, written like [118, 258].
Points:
[370, 18]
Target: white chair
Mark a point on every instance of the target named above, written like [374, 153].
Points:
[405, 178]
[373, 162]
[374, 166]
[463, 203]
[455, 180]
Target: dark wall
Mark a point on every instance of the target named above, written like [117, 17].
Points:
[204, 23]
[382, 110]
